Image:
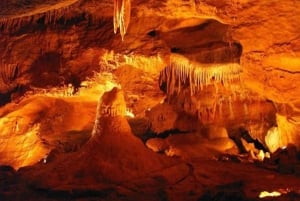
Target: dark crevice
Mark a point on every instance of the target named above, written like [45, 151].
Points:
[152, 33]
[150, 134]
[5, 98]
[175, 49]
[226, 192]
[72, 194]
[242, 133]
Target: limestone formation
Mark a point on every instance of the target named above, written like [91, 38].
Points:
[50, 14]
[191, 71]
[162, 118]
[122, 10]
[8, 75]
[112, 154]
[183, 71]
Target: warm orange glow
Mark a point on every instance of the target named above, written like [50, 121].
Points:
[280, 136]
[182, 70]
[23, 146]
[288, 62]
[109, 60]
[273, 139]
[147, 63]
[129, 113]
[122, 10]
[264, 194]
[149, 99]
[90, 89]
[23, 128]
[51, 13]
[261, 155]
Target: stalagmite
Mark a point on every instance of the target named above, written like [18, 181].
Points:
[112, 110]
[111, 104]
[122, 10]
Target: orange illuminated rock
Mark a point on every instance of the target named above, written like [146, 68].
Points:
[221, 64]
[30, 129]
[113, 153]
[162, 118]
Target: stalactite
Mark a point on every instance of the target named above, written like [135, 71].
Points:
[8, 72]
[122, 12]
[231, 114]
[8, 24]
[146, 63]
[246, 112]
[197, 75]
[194, 79]
[214, 109]
[220, 104]
[8, 76]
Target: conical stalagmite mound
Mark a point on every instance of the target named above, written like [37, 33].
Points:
[113, 155]
[122, 156]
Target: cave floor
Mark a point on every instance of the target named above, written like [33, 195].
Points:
[197, 178]
[200, 179]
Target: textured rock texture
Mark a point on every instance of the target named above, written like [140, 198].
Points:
[112, 155]
[53, 43]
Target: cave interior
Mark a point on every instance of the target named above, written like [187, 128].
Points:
[150, 100]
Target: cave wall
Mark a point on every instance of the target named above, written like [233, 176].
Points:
[264, 41]
[51, 46]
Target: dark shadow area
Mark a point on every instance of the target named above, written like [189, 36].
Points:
[4, 98]
[45, 70]
[227, 192]
[208, 42]
[152, 33]
[241, 133]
